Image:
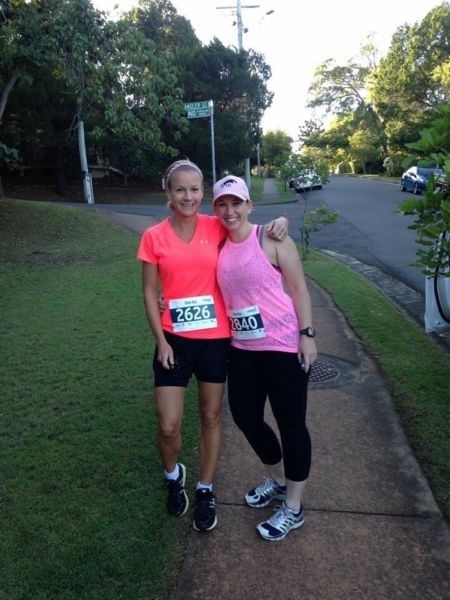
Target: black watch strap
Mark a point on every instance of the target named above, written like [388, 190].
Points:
[308, 331]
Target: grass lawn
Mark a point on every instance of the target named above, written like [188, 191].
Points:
[83, 513]
[417, 373]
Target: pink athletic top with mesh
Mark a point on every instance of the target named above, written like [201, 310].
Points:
[262, 314]
[187, 272]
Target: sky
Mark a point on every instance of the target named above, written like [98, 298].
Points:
[295, 39]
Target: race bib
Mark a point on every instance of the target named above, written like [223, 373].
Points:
[246, 323]
[189, 314]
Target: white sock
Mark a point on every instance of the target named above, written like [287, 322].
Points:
[174, 474]
[204, 486]
[296, 512]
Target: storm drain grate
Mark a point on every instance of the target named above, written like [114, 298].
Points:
[323, 372]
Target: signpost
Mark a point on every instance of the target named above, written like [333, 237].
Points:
[197, 110]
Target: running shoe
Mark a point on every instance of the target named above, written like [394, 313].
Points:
[204, 510]
[282, 521]
[264, 494]
[177, 500]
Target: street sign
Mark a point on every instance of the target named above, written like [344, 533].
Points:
[204, 108]
[196, 110]
[195, 114]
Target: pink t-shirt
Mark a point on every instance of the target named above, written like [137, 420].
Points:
[187, 272]
[262, 314]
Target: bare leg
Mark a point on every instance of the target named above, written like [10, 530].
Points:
[210, 406]
[169, 405]
[276, 472]
[294, 494]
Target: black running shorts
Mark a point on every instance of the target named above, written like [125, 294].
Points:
[206, 359]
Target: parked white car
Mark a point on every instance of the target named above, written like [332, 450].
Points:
[307, 180]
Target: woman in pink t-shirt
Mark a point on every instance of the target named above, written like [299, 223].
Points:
[192, 334]
[272, 350]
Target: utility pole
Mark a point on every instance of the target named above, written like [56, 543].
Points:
[239, 23]
[241, 30]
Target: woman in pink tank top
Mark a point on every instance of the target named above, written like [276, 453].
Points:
[272, 351]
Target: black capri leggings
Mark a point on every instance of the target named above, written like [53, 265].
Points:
[252, 377]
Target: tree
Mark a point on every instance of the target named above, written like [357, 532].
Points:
[432, 212]
[331, 145]
[364, 150]
[413, 78]
[310, 132]
[71, 64]
[276, 146]
[138, 103]
[338, 89]
[159, 22]
[343, 90]
[236, 82]
[297, 165]
[9, 160]
[314, 220]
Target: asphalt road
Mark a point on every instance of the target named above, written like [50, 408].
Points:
[368, 229]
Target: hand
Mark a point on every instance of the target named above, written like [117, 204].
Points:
[307, 352]
[165, 355]
[162, 304]
[278, 228]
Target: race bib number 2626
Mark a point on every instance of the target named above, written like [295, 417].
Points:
[189, 314]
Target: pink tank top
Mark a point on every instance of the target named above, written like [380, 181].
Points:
[262, 314]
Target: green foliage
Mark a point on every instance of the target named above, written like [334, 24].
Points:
[70, 64]
[128, 81]
[379, 107]
[276, 146]
[412, 79]
[237, 83]
[297, 164]
[314, 220]
[364, 149]
[159, 21]
[432, 212]
[338, 88]
[9, 157]
[9, 160]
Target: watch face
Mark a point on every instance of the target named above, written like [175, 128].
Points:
[309, 331]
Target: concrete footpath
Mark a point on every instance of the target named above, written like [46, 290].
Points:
[372, 528]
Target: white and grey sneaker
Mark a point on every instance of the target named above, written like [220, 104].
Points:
[280, 523]
[264, 494]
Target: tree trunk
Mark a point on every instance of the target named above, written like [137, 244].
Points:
[5, 93]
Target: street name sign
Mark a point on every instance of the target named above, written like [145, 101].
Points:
[196, 110]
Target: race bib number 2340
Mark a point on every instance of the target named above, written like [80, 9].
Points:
[246, 323]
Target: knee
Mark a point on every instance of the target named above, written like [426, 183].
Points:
[210, 419]
[169, 431]
[243, 420]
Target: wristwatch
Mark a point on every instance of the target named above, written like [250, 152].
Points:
[308, 331]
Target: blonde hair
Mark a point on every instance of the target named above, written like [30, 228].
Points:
[185, 165]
